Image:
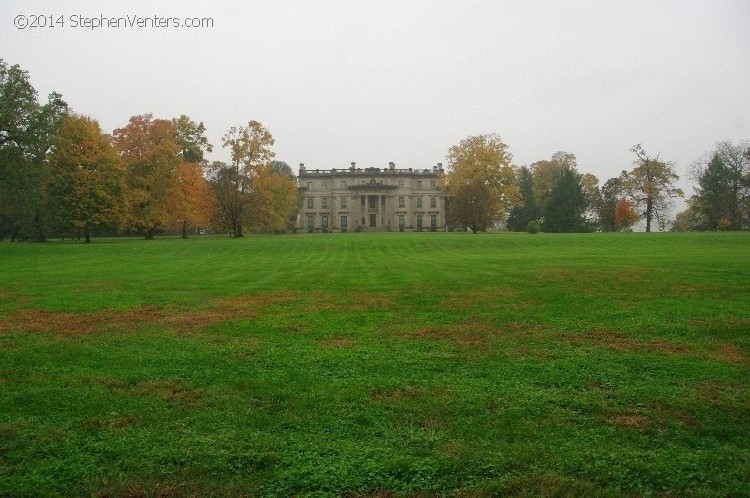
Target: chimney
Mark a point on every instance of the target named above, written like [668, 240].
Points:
[353, 166]
[434, 169]
[440, 166]
[302, 166]
[392, 165]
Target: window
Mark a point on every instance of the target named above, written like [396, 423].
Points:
[433, 220]
[310, 222]
[325, 203]
[401, 221]
[325, 185]
[324, 222]
[310, 203]
[309, 185]
[343, 222]
[400, 202]
[419, 202]
[419, 183]
[343, 202]
[343, 184]
[419, 222]
[432, 184]
[433, 202]
[400, 184]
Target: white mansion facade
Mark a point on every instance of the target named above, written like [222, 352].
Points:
[371, 199]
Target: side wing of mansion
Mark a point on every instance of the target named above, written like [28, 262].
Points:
[371, 199]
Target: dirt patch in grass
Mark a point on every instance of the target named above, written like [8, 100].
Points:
[396, 394]
[351, 301]
[116, 422]
[619, 341]
[482, 299]
[728, 352]
[240, 307]
[473, 333]
[170, 390]
[338, 342]
[630, 420]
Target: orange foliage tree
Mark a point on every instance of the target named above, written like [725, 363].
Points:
[150, 154]
[192, 200]
[625, 214]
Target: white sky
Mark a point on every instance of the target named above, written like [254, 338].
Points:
[379, 81]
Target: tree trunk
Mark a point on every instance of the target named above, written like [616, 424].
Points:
[87, 235]
[150, 233]
[184, 229]
[649, 213]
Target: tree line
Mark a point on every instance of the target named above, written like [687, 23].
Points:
[485, 190]
[61, 175]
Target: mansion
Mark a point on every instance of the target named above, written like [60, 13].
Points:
[371, 199]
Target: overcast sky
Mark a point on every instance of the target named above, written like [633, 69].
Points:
[379, 81]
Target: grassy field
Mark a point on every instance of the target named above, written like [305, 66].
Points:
[377, 364]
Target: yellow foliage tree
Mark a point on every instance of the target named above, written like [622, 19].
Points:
[85, 182]
[480, 183]
[150, 154]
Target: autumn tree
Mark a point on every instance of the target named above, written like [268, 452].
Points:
[250, 148]
[150, 154]
[273, 201]
[192, 201]
[85, 181]
[651, 186]
[480, 182]
[27, 129]
[625, 214]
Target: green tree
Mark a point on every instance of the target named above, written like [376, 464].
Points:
[85, 181]
[565, 207]
[650, 185]
[609, 195]
[480, 182]
[722, 196]
[26, 132]
[714, 199]
[225, 184]
[526, 210]
[192, 139]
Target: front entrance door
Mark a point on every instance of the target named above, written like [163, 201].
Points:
[373, 218]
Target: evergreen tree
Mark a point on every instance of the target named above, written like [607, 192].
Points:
[713, 199]
[565, 208]
[527, 210]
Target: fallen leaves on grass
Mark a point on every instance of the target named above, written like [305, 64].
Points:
[62, 323]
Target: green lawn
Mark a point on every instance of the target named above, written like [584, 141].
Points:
[377, 364]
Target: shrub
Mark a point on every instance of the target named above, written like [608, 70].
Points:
[532, 227]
